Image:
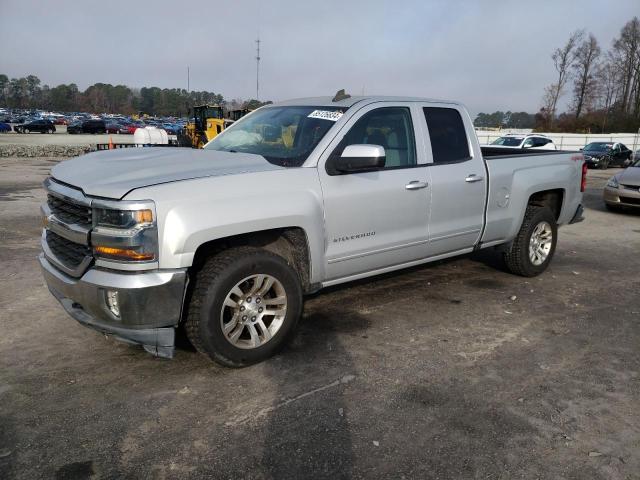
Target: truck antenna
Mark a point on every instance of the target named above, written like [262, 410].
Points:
[258, 68]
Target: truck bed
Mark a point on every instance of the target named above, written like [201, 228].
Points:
[489, 152]
[515, 175]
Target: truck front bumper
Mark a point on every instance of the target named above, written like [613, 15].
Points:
[141, 308]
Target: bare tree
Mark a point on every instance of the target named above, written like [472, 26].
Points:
[607, 81]
[626, 49]
[584, 69]
[563, 59]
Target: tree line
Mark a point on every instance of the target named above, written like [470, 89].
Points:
[505, 120]
[29, 93]
[604, 88]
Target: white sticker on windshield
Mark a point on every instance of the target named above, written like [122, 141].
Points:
[325, 115]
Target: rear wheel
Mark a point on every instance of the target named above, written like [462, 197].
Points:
[534, 245]
[245, 305]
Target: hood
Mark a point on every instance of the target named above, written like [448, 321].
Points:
[114, 173]
[629, 176]
[596, 154]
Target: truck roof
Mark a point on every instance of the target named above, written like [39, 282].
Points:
[349, 102]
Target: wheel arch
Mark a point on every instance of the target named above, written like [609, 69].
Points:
[290, 243]
[553, 199]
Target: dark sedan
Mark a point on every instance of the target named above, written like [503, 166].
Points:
[87, 126]
[606, 154]
[42, 126]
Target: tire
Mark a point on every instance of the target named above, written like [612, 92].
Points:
[219, 281]
[518, 257]
[604, 164]
[26, 130]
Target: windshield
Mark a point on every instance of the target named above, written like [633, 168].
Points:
[285, 136]
[507, 141]
[597, 147]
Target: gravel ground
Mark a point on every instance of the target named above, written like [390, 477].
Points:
[453, 370]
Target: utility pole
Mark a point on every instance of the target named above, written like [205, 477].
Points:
[188, 80]
[258, 69]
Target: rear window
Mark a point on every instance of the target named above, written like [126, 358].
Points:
[508, 141]
[448, 136]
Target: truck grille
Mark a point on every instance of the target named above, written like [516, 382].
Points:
[68, 212]
[635, 188]
[70, 253]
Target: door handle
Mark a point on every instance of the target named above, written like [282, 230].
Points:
[416, 185]
[473, 178]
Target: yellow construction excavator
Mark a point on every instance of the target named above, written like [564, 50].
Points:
[207, 121]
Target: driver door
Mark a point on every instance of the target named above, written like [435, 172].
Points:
[379, 218]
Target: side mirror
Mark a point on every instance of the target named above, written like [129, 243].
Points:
[360, 158]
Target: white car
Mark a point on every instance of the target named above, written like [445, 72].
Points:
[535, 142]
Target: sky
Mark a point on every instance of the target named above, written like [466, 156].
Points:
[489, 54]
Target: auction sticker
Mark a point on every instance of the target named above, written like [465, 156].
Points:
[326, 115]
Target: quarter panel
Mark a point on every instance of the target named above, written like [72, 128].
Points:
[512, 182]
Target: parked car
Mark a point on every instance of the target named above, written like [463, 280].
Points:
[256, 220]
[534, 141]
[134, 126]
[116, 128]
[171, 128]
[623, 189]
[606, 154]
[42, 126]
[87, 126]
[4, 127]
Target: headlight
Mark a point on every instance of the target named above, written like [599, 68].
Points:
[125, 232]
[613, 182]
[122, 218]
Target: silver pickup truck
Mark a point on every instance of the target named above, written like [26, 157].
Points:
[294, 197]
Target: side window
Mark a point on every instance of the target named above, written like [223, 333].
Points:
[448, 136]
[389, 127]
[528, 143]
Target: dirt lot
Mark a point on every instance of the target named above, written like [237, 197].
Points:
[433, 372]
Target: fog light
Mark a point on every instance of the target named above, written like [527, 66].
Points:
[112, 302]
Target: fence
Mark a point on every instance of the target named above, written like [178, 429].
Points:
[569, 141]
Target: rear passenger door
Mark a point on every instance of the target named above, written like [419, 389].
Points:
[458, 180]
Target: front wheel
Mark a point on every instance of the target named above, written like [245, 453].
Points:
[534, 245]
[245, 305]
